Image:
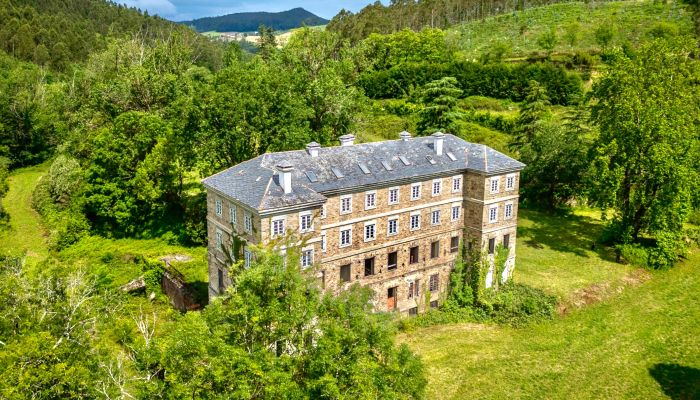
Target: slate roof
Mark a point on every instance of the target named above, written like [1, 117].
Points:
[255, 182]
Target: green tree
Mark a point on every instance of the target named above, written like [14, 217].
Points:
[439, 111]
[534, 110]
[604, 34]
[646, 158]
[548, 40]
[572, 33]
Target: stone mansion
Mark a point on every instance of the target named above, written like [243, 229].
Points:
[389, 215]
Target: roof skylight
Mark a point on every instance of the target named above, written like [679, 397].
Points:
[337, 172]
[431, 160]
[404, 160]
[364, 168]
[387, 166]
[451, 156]
[312, 176]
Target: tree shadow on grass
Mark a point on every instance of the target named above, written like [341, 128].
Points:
[678, 382]
[565, 233]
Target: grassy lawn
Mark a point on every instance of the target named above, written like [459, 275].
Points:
[26, 233]
[640, 342]
[630, 20]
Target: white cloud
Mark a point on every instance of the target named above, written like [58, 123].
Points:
[164, 8]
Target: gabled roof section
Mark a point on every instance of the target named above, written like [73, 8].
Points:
[255, 182]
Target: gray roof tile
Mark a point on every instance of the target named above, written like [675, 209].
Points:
[254, 182]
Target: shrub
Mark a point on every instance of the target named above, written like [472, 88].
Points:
[517, 304]
[634, 254]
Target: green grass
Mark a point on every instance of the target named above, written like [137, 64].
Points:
[519, 31]
[26, 233]
[638, 342]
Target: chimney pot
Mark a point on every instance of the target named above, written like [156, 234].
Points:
[313, 148]
[405, 136]
[347, 140]
[439, 141]
[284, 170]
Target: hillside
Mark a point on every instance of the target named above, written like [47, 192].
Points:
[251, 21]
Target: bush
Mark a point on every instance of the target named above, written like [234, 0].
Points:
[442, 316]
[634, 254]
[517, 304]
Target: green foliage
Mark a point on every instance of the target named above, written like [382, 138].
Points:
[548, 40]
[647, 154]
[604, 34]
[439, 111]
[4, 172]
[533, 112]
[406, 46]
[518, 304]
[153, 271]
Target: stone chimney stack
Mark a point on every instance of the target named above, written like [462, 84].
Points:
[312, 148]
[284, 169]
[405, 136]
[347, 140]
[439, 142]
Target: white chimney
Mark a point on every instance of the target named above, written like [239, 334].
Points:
[312, 148]
[284, 170]
[405, 136]
[439, 141]
[347, 140]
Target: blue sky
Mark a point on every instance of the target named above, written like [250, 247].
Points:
[181, 10]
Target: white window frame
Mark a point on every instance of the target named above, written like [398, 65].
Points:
[433, 221]
[510, 182]
[372, 194]
[232, 215]
[273, 225]
[307, 257]
[496, 180]
[219, 238]
[410, 221]
[398, 192]
[302, 216]
[413, 186]
[349, 199]
[395, 220]
[248, 222]
[247, 257]
[340, 237]
[437, 183]
[506, 208]
[459, 212]
[372, 224]
[324, 243]
[493, 213]
[456, 183]
[219, 207]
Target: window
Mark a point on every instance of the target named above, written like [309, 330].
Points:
[345, 273]
[370, 200]
[369, 266]
[434, 282]
[435, 217]
[278, 226]
[435, 249]
[393, 226]
[508, 212]
[415, 191]
[345, 204]
[370, 231]
[307, 258]
[494, 184]
[393, 196]
[323, 242]
[323, 211]
[492, 245]
[434, 304]
[413, 255]
[456, 184]
[493, 214]
[506, 241]
[510, 182]
[454, 244]
[219, 207]
[220, 275]
[345, 237]
[219, 238]
[415, 222]
[305, 222]
[413, 289]
[248, 258]
[232, 215]
[248, 222]
[392, 260]
[455, 213]
[437, 187]
[413, 311]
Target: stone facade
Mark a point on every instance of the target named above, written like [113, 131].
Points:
[408, 264]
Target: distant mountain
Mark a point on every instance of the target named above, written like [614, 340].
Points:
[251, 21]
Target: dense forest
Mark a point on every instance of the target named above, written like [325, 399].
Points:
[131, 111]
[251, 21]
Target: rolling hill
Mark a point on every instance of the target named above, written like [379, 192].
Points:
[251, 21]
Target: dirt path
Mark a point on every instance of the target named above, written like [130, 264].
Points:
[26, 233]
